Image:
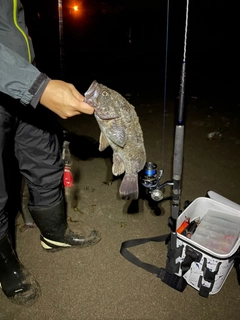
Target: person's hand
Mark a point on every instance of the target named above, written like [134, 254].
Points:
[63, 99]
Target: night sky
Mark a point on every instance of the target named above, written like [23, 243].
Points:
[96, 43]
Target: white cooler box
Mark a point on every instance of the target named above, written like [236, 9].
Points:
[216, 241]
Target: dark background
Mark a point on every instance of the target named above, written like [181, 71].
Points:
[96, 44]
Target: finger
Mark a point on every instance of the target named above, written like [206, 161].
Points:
[70, 114]
[85, 108]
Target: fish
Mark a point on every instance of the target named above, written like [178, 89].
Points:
[120, 129]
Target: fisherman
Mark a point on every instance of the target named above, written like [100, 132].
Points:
[26, 96]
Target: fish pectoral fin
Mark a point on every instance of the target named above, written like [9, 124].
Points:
[103, 143]
[118, 165]
[117, 135]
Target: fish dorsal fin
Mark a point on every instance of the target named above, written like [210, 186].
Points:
[118, 165]
[103, 143]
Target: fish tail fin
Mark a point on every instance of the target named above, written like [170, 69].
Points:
[129, 187]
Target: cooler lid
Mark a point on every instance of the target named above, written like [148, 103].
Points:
[217, 197]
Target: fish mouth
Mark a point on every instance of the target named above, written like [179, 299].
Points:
[101, 116]
[91, 93]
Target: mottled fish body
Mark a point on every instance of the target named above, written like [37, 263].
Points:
[120, 128]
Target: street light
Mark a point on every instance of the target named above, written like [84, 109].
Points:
[61, 39]
[61, 42]
[75, 9]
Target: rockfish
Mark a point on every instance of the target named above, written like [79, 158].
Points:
[120, 128]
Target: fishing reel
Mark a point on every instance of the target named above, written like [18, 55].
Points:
[150, 180]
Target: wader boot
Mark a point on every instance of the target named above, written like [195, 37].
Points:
[16, 282]
[55, 233]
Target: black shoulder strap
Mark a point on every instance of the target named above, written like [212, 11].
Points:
[133, 259]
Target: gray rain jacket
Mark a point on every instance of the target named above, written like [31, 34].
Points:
[18, 77]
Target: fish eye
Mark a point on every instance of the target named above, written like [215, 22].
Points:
[105, 93]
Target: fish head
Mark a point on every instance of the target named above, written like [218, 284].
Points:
[102, 99]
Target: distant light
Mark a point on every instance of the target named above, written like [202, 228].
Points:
[75, 8]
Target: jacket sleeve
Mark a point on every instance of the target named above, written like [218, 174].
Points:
[19, 78]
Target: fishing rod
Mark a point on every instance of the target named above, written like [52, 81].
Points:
[150, 178]
[151, 181]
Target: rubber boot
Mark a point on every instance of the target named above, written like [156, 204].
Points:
[16, 282]
[55, 233]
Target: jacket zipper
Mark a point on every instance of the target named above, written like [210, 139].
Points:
[22, 32]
